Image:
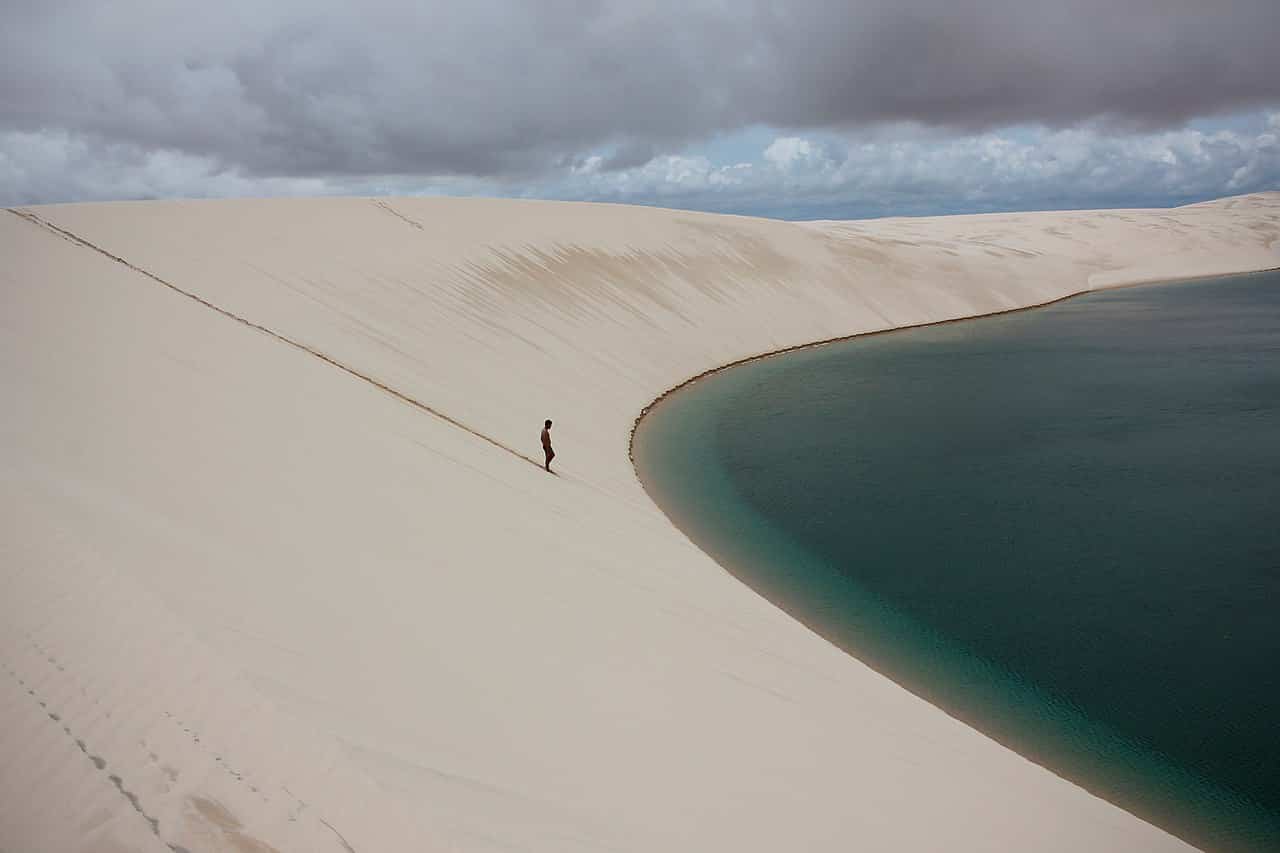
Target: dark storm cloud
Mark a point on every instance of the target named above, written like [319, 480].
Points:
[980, 64]
[510, 88]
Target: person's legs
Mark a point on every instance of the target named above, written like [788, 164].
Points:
[551, 454]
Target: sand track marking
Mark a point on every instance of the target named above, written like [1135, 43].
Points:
[36, 220]
[398, 215]
[98, 762]
[188, 805]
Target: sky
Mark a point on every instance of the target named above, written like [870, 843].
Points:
[802, 109]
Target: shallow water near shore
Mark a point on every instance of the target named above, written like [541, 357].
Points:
[1060, 525]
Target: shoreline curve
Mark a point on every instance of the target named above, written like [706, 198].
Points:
[1102, 732]
[949, 321]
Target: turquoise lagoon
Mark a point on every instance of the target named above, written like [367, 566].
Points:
[1060, 525]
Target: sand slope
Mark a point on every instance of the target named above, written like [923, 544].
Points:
[277, 571]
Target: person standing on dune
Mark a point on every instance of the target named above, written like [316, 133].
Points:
[546, 445]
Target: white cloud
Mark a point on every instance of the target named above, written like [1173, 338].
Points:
[908, 172]
[59, 166]
[921, 172]
[785, 151]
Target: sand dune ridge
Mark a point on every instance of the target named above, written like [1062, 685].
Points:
[291, 582]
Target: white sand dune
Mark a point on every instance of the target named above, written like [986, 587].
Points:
[277, 572]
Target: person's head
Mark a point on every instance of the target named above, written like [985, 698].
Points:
[547, 424]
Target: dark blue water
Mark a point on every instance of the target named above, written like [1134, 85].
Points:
[1061, 525]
